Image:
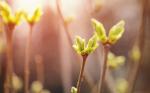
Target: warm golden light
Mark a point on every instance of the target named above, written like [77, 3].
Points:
[28, 5]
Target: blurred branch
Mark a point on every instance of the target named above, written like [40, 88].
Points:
[141, 40]
[66, 69]
[39, 68]
[103, 69]
[27, 61]
[9, 54]
[58, 3]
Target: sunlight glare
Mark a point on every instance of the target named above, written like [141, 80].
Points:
[28, 5]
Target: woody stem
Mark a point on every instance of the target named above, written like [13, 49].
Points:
[81, 73]
[104, 69]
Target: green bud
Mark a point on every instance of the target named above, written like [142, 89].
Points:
[120, 60]
[100, 30]
[7, 16]
[115, 61]
[5, 8]
[111, 60]
[36, 87]
[5, 11]
[116, 32]
[18, 16]
[79, 45]
[111, 56]
[122, 86]
[92, 44]
[135, 54]
[73, 90]
[36, 15]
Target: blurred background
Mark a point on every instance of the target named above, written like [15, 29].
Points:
[52, 42]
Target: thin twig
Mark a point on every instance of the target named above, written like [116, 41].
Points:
[104, 69]
[87, 77]
[63, 21]
[39, 68]
[81, 73]
[9, 63]
[27, 61]
[110, 82]
[137, 66]
[66, 69]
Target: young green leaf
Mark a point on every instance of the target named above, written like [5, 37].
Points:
[4, 7]
[116, 32]
[115, 61]
[5, 11]
[100, 30]
[18, 16]
[35, 17]
[79, 45]
[7, 16]
[92, 44]
[37, 14]
[73, 90]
